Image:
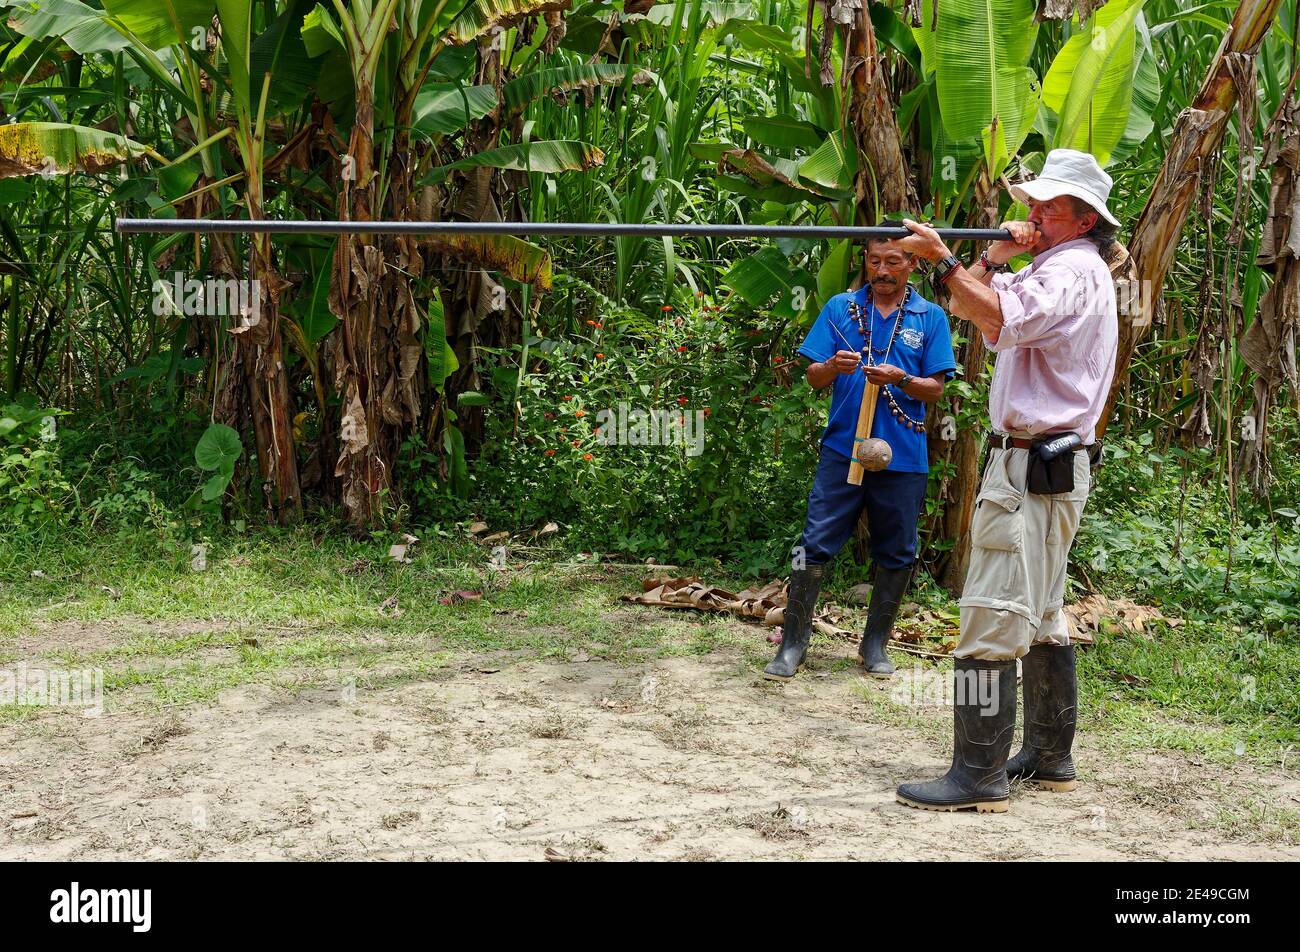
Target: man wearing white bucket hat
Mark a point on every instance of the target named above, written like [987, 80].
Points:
[1054, 328]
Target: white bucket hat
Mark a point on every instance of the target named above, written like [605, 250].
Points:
[1069, 172]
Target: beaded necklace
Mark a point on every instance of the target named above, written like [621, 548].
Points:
[861, 315]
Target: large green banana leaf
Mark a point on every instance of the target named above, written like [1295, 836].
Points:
[783, 132]
[760, 277]
[479, 16]
[524, 261]
[979, 56]
[236, 42]
[444, 108]
[83, 28]
[1090, 83]
[33, 148]
[552, 155]
[541, 82]
[161, 23]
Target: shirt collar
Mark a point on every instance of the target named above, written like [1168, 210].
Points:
[1079, 242]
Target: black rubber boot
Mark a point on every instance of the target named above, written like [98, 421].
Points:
[1051, 708]
[886, 595]
[796, 631]
[984, 720]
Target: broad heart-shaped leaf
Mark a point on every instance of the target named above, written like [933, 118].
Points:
[218, 448]
[160, 23]
[442, 359]
[1090, 83]
[759, 277]
[28, 148]
[551, 155]
[979, 55]
[215, 486]
[444, 108]
[578, 75]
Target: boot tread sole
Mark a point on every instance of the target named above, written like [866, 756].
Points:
[981, 806]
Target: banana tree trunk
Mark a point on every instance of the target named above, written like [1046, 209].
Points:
[363, 351]
[883, 179]
[1197, 136]
[360, 469]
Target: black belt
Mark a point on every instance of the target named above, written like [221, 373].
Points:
[1001, 441]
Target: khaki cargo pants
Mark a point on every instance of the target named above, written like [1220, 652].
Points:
[1020, 544]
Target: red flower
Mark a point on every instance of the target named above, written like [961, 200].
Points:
[567, 398]
[591, 323]
[549, 453]
[681, 401]
[666, 308]
[580, 413]
[548, 415]
[681, 349]
[600, 356]
[577, 442]
[599, 326]
[708, 412]
[588, 457]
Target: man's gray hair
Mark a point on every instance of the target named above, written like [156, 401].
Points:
[1103, 234]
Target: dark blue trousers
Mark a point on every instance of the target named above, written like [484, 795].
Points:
[893, 502]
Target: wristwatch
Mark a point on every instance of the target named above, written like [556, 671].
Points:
[904, 381]
[989, 266]
[944, 268]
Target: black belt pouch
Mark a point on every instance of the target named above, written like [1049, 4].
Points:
[1051, 467]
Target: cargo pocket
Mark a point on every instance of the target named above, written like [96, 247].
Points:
[998, 574]
[999, 519]
[999, 522]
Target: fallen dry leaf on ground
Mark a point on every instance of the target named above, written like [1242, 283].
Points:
[1087, 616]
[458, 598]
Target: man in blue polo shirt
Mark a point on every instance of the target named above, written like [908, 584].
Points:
[885, 333]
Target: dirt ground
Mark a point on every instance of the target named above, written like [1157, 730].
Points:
[685, 758]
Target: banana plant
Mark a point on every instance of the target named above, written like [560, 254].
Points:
[260, 344]
[978, 52]
[1089, 87]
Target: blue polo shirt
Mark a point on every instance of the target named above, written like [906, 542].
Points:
[922, 348]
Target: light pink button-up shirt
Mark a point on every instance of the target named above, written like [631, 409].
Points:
[1056, 350]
